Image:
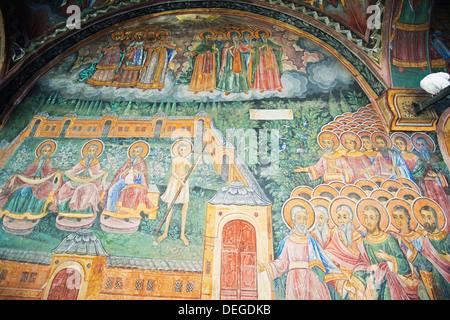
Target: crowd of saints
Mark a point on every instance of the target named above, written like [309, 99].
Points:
[228, 59]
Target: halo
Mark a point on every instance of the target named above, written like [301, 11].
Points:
[202, 34]
[378, 193]
[400, 202]
[378, 180]
[256, 34]
[323, 202]
[349, 135]
[302, 192]
[419, 203]
[290, 203]
[118, 33]
[324, 188]
[391, 185]
[338, 185]
[144, 145]
[177, 143]
[52, 144]
[247, 31]
[343, 201]
[377, 134]
[431, 144]
[409, 184]
[230, 32]
[142, 33]
[165, 32]
[96, 142]
[384, 219]
[330, 135]
[401, 193]
[350, 189]
[328, 127]
[366, 185]
[396, 135]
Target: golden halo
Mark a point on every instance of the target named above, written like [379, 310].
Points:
[366, 185]
[403, 192]
[96, 142]
[409, 184]
[391, 185]
[325, 190]
[118, 33]
[338, 185]
[202, 35]
[304, 192]
[162, 32]
[260, 30]
[419, 203]
[384, 221]
[229, 34]
[141, 33]
[396, 135]
[378, 180]
[378, 193]
[324, 202]
[400, 202]
[431, 144]
[328, 135]
[377, 134]
[175, 145]
[51, 143]
[351, 191]
[352, 136]
[343, 201]
[290, 203]
[145, 148]
[247, 31]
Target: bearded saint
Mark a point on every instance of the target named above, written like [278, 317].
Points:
[80, 196]
[333, 165]
[311, 273]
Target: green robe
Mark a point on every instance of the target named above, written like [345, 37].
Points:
[230, 80]
[389, 245]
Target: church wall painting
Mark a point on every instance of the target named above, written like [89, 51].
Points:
[125, 118]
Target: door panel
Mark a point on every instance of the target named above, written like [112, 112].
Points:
[65, 285]
[239, 275]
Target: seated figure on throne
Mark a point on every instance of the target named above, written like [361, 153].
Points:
[24, 198]
[76, 202]
[128, 193]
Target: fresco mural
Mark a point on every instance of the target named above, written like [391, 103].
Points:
[142, 156]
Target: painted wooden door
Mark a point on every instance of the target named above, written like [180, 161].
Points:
[65, 285]
[238, 276]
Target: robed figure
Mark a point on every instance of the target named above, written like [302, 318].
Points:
[410, 34]
[26, 195]
[266, 62]
[204, 60]
[126, 196]
[79, 196]
[311, 273]
[134, 57]
[429, 266]
[382, 271]
[109, 62]
[233, 69]
[158, 55]
[428, 173]
[356, 158]
[333, 165]
[388, 163]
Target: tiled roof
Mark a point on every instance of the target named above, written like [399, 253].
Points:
[82, 242]
[236, 193]
[26, 256]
